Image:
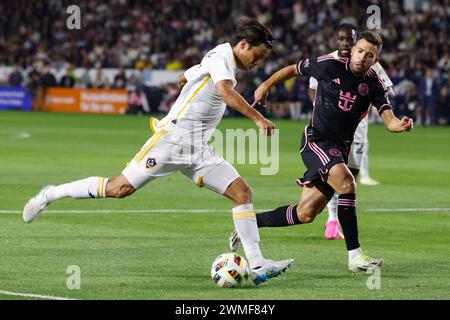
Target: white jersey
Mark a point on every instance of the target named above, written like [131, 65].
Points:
[180, 140]
[361, 131]
[199, 109]
[382, 74]
[360, 135]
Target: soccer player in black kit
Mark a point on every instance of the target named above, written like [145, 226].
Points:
[346, 88]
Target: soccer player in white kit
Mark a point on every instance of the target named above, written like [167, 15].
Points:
[358, 158]
[180, 144]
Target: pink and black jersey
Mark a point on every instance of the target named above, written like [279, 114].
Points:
[342, 99]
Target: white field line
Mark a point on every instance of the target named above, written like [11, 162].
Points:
[32, 295]
[124, 211]
[407, 209]
[218, 211]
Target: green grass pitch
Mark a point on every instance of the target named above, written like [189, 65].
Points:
[168, 255]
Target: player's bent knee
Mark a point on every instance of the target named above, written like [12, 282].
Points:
[307, 213]
[305, 218]
[119, 191]
[244, 196]
[347, 186]
[124, 191]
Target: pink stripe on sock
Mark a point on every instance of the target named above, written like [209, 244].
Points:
[347, 200]
[347, 203]
[289, 215]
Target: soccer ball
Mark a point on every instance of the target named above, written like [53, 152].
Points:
[229, 270]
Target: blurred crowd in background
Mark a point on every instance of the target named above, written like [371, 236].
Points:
[142, 35]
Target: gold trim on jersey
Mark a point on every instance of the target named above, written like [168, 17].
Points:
[200, 182]
[146, 149]
[152, 125]
[205, 80]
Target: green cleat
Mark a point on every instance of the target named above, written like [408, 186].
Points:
[363, 263]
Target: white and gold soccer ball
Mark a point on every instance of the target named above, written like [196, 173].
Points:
[229, 270]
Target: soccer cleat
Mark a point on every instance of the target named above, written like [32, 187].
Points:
[368, 181]
[363, 263]
[332, 231]
[234, 241]
[269, 270]
[35, 205]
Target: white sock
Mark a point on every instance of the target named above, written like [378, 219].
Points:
[332, 208]
[92, 187]
[244, 219]
[364, 168]
[353, 254]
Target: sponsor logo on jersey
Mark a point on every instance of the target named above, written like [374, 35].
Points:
[346, 100]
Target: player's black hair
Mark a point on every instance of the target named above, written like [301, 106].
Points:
[254, 33]
[372, 37]
[347, 25]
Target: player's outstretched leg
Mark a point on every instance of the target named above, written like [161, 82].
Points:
[332, 228]
[311, 203]
[89, 188]
[280, 217]
[244, 219]
[36, 205]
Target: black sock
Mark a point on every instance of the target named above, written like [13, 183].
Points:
[280, 217]
[347, 219]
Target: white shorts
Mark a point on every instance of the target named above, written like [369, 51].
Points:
[161, 156]
[357, 152]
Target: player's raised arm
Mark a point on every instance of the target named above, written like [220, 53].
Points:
[310, 67]
[233, 99]
[394, 124]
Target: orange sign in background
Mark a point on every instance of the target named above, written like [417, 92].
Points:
[86, 100]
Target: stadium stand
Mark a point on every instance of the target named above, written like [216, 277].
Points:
[143, 36]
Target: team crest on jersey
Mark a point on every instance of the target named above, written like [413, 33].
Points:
[151, 162]
[363, 89]
[335, 152]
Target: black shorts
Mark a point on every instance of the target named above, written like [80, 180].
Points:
[319, 156]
